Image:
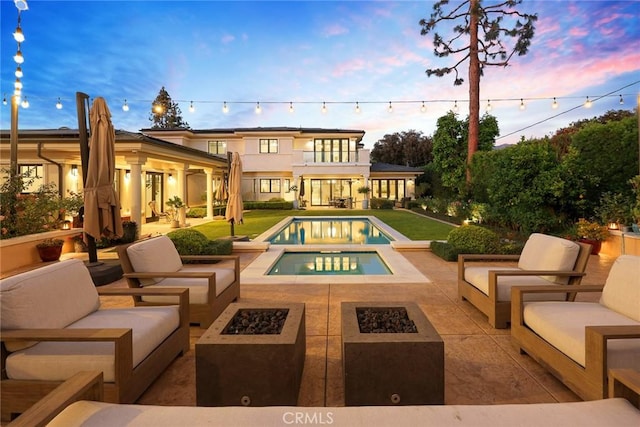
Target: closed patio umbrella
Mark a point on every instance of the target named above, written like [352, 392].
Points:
[234, 203]
[301, 193]
[101, 204]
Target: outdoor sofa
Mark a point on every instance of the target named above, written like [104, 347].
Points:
[580, 341]
[545, 260]
[155, 263]
[52, 327]
[74, 404]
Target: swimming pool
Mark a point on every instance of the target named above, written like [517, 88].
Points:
[338, 263]
[329, 231]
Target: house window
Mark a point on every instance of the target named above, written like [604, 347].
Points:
[269, 185]
[392, 189]
[334, 150]
[217, 147]
[33, 177]
[287, 185]
[269, 146]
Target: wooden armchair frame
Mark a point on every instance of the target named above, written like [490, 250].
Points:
[130, 382]
[202, 314]
[499, 312]
[588, 382]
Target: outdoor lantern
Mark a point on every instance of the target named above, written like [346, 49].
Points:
[66, 225]
[613, 226]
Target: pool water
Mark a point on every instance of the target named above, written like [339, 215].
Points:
[330, 231]
[325, 263]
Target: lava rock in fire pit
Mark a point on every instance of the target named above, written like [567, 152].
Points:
[385, 320]
[257, 322]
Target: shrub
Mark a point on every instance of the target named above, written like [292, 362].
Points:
[444, 250]
[219, 247]
[280, 205]
[472, 239]
[197, 213]
[189, 241]
[381, 203]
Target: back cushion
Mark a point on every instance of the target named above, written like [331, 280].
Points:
[622, 289]
[53, 296]
[544, 252]
[157, 255]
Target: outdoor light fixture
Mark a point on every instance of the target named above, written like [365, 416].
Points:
[18, 72]
[125, 106]
[4, 100]
[621, 100]
[555, 104]
[587, 103]
[488, 105]
[225, 108]
[74, 171]
[59, 104]
[522, 106]
[390, 109]
[21, 4]
[18, 58]
[18, 84]
[324, 108]
[613, 226]
[171, 179]
[66, 225]
[191, 107]
[25, 103]
[258, 108]
[357, 108]
[291, 107]
[455, 106]
[423, 108]
[127, 174]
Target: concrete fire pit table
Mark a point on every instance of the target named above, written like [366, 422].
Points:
[391, 368]
[234, 369]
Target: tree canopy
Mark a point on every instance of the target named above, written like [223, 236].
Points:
[166, 114]
[409, 148]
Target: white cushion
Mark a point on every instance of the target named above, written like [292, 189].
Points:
[562, 324]
[544, 252]
[198, 288]
[155, 255]
[56, 361]
[622, 289]
[53, 296]
[479, 278]
[595, 413]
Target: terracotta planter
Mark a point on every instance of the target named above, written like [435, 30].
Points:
[596, 245]
[50, 253]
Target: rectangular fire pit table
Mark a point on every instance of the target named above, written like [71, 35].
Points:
[391, 368]
[251, 370]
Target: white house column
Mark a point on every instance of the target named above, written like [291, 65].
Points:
[136, 191]
[209, 173]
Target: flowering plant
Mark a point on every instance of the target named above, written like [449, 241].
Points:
[46, 243]
[591, 230]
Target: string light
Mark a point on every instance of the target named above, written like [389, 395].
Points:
[18, 72]
[191, 107]
[522, 106]
[488, 105]
[18, 35]
[357, 108]
[225, 107]
[59, 104]
[4, 99]
[587, 103]
[423, 108]
[125, 106]
[621, 102]
[324, 108]
[555, 104]
[390, 109]
[258, 108]
[25, 103]
[18, 58]
[18, 84]
[291, 107]
[455, 106]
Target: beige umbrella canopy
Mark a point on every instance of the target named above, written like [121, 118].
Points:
[234, 204]
[101, 204]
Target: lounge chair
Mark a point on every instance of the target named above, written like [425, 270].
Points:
[579, 341]
[53, 327]
[545, 260]
[156, 263]
[155, 213]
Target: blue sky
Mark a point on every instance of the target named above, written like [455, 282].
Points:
[307, 53]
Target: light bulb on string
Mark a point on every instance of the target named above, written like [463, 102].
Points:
[357, 108]
[18, 35]
[489, 105]
[59, 104]
[423, 108]
[555, 104]
[4, 99]
[522, 106]
[125, 106]
[390, 109]
[25, 103]
[587, 103]
[225, 107]
[18, 72]
[258, 108]
[18, 58]
[455, 106]
[324, 108]
[621, 102]
[291, 107]
[18, 84]
[191, 107]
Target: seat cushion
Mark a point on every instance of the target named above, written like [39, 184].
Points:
[55, 361]
[53, 296]
[154, 255]
[544, 252]
[622, 289]
[479, 277]
[562, 324]
[198, 288]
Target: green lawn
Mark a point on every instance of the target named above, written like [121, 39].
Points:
[415, 227]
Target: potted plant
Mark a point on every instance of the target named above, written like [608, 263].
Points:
[175, 204]
[365, 191]
[50, 249]
[591, 233]
[71, 205]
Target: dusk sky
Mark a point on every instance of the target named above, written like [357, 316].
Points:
[307, 53]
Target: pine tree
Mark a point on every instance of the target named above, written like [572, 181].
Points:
[165, 114]
[478, 37]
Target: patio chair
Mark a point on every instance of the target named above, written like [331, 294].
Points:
[545, 260]
[156, 263]
[154, 212]
[52, 327]
[578, 342]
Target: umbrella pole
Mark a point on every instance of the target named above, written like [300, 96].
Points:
[82, 100]
[232, 230]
